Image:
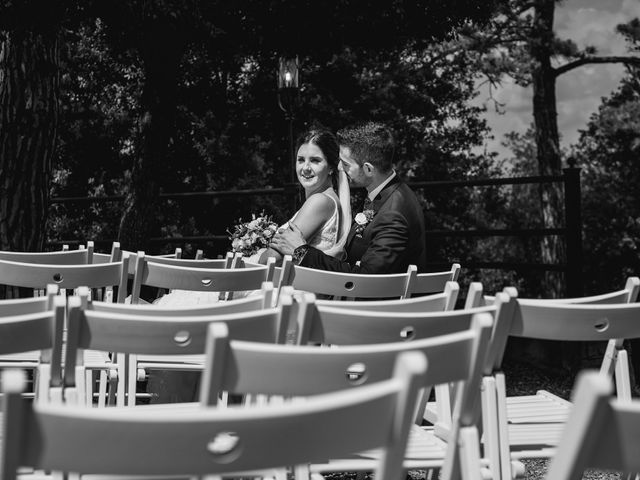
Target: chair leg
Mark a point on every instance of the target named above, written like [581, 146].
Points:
[121, 389]
[503, 426]
[470, 454]
[102, 388]
[132, 379]
[490, 425]
[88, 381]
[113, 387]
[622, 376]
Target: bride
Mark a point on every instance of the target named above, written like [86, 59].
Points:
[325, 217]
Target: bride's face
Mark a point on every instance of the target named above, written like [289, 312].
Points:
[312, 168]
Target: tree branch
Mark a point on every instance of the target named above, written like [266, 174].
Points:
[591, 60]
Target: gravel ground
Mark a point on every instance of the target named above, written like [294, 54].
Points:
[524, 379]
[521, 379]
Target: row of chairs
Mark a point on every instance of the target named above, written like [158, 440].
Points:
[601, 433]
[588, 317]
[72, 268]
[587, 323]
[120, 276]
[181, 331]
[249, 367]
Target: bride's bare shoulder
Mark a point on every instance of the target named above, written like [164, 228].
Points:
[317, 205]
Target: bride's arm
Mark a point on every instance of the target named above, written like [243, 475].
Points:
[315, 211]
[270, 252]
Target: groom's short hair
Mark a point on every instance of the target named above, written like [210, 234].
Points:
[369, 142]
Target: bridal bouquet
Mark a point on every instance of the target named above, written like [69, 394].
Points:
[248, 237]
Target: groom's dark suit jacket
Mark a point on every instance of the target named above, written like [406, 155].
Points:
[393, 240]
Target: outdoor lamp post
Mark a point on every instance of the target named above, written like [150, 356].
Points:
[288, 99]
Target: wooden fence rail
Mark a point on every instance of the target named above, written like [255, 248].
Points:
[571, 230]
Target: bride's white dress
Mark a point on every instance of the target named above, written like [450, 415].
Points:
[329, 239]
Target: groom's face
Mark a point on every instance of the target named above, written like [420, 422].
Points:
[352, 168]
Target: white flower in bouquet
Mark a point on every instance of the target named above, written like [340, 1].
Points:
[248, 237]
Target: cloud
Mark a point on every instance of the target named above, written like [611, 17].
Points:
[578, 92]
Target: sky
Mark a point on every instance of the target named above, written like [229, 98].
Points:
[580, 91]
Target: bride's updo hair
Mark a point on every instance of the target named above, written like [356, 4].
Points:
[326, 141]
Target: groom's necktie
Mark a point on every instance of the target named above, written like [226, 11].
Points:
[367, 203]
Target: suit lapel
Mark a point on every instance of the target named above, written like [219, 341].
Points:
[352, 233]
[378, 201]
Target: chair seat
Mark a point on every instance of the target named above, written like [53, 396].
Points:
[32, 357]
[543, 407]
[195, 362]
[424, 450]
[535, 435]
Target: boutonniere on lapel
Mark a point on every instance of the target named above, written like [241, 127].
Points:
[362, 220]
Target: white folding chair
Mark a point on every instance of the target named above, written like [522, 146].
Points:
[433, 282]
[336, 326]
[197, 277]
[341, 285]
[330, 324]
[289, 370]
[209, 441]
[520, 437]
[100, 277]
[34, 327]
[544, 406]
[160, 342]
[602, 432]
[346, 285]
[262, 300]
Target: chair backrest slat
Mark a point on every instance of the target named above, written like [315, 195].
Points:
[38, 276]
[576, 322]
[169, 276]
[267, 369]
[62, 257]
[334, 325]
[436, 302]
[353, 285]
[426, 283]
[23, 306]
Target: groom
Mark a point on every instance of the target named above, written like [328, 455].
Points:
[388, 234]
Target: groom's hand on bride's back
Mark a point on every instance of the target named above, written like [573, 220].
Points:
[287, 240]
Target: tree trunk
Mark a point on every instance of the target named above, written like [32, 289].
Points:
[156, 130]
[29, 89]
[547, 142]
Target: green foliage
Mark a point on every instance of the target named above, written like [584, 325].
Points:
[608, 152]
[95, 144]
[230, 133]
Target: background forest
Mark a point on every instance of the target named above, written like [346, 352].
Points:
[133, 100]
